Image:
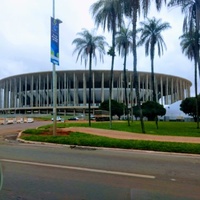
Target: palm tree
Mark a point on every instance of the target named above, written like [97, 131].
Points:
[151, 37]
[108, 14]
[191, 9]
[86, 46]
[188, 44]
[132, 8]
[191, 25]
[124, 45]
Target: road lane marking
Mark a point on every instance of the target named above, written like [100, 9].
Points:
[80, 169]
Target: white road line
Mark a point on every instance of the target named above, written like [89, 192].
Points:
[80, 169]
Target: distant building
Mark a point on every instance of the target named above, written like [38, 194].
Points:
[33, 92]
[173, 113]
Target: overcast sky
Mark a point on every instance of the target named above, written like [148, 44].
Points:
[25, 39]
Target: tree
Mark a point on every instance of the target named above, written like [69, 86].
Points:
[116, 109]
[191, 25]
[152, 109]
[108, 13]
[136, 112]
[188, 106]
[151, 37]
[86, 46]
[189, 46]
[191, 9]
[124, 46]
[132, 9]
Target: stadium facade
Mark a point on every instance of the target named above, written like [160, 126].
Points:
[33, 92]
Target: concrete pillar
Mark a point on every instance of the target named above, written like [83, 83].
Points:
[11, 94]
[25, 91]
[93, 88]
[75, 90]
[147, 88]
[121, 88]
[172, 90]
[181, 90]
[65, 89]
[102, 87]
[20, 92]
[74, 84]
[32, 83]
[68, 91]
[143, 90]
[161, 86]
[167, 90]
[84, 89]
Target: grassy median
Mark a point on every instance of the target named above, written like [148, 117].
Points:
[82, 139]
[165, 128]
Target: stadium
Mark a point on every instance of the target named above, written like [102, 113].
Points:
[32, 93]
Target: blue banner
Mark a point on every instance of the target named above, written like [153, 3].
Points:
[54, 41]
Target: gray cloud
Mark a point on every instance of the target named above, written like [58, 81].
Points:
[25, 38]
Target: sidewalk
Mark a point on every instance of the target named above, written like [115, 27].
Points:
[133, 136]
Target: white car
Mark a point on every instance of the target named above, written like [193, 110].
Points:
[58, 118]
[30, 120]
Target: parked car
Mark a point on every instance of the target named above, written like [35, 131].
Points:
[58, 118]
[92, 117]
[73, 118]
[30, 120]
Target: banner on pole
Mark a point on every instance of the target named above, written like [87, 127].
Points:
[54, 41]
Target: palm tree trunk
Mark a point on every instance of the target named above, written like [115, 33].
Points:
[125, 88]
[198, 26]
[153, 86]
[196, 94]
[111, 74]
[153, 79]
[196, 60]
[136, 84]
[90, 85]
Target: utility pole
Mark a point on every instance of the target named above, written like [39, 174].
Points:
[55, 61]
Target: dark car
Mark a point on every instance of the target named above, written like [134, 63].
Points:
[73, 118]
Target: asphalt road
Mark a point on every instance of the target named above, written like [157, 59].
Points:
[59, 173]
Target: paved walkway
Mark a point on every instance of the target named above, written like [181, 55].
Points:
[133, 136]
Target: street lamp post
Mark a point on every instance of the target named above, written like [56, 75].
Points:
[54, 87]
[54, 100]
[55, 61]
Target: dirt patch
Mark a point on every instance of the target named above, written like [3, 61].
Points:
[59, 132]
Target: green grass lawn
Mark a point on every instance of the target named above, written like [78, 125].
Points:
[165, 128]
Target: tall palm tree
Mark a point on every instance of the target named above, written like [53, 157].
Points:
[191, 24]
[188, 44]
[133, 8]
[108, 14]
[151, 37]
[124, 46]
[191, 9]
[86, 46]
